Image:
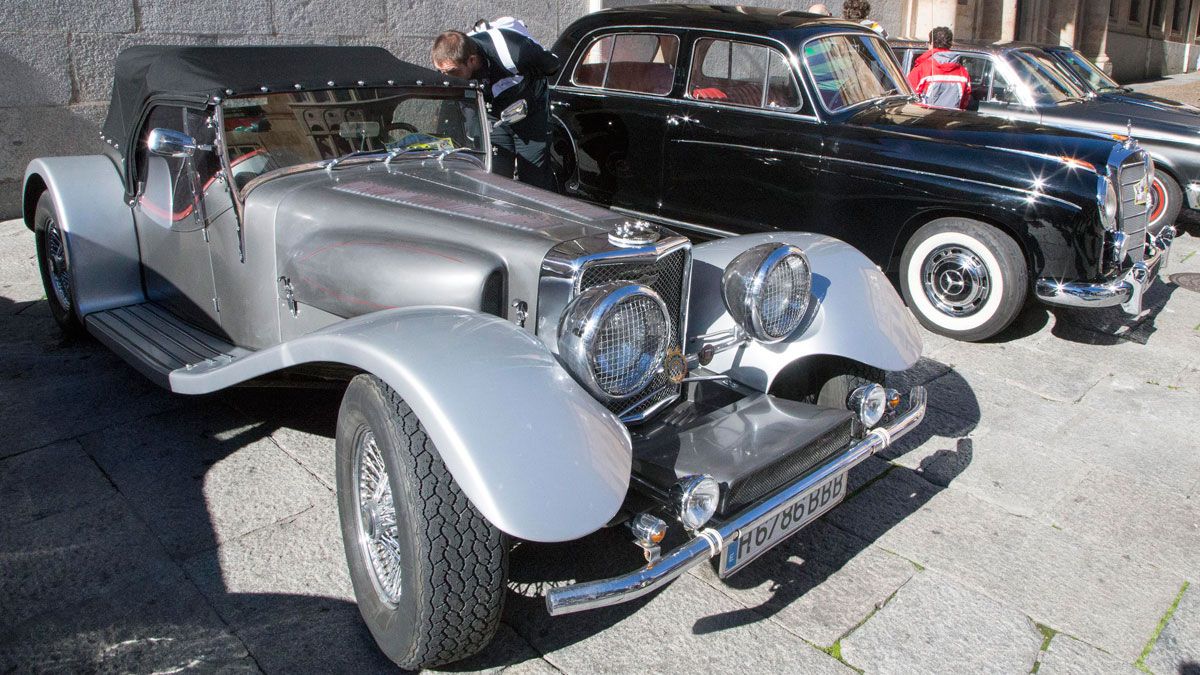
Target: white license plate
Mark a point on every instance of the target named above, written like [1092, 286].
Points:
[758, 537]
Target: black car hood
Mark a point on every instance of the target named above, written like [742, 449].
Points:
[1150, 101]
[1110, 115]
[985, 131]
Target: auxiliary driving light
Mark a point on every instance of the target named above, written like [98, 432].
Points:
[870, 402]
[695, 500]
[648, 529]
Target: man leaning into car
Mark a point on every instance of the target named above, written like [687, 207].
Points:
[515, 68]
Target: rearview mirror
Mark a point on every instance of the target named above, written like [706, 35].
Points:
[170, 143]
[513, 113]
[359, 130]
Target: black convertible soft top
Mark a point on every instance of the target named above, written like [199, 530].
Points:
[152, 74]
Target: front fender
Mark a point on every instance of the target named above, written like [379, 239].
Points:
[102, 246]
[538, 456]
[857, 313]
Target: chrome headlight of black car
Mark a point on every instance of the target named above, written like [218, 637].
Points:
[1110, 201]
[614, 338]
[767, 290]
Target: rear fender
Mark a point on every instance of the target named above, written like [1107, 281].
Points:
[857, 314]
[537, 455]
[102, 248]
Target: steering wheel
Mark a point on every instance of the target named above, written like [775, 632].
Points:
[401, 126]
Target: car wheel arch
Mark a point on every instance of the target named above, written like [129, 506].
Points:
[35, 185]
[1026, 244]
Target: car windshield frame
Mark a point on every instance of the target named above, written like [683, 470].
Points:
[341, 96]
[1035, 67]
[1084, 70]
[900, 90]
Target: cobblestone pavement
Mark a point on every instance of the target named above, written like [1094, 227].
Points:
[1046, 515]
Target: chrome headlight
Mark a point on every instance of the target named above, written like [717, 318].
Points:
[695, 499]
[1109, 203]
[767, 290]
[614, 337]
[869, 402]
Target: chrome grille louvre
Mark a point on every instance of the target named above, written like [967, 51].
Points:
[577, 265]
[1134, 217]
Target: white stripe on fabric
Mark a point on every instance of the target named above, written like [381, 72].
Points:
[502, 50]
[959, 79]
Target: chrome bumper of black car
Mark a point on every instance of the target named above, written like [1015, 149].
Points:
[1193, 195]
[710, 542]
[1125, 291]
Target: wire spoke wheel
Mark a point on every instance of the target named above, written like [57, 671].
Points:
[377, 528]
[56, 259]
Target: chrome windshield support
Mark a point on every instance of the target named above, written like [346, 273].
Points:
[710, 542]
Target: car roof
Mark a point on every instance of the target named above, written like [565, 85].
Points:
[734, 18]
[971, 45]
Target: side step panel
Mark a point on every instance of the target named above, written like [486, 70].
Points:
[157, 342]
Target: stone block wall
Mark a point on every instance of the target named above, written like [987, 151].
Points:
[56, 56]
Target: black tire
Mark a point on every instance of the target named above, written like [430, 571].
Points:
[963, 279]
[453, 564]
[1166, 200]
[827, 383]
[54, 263]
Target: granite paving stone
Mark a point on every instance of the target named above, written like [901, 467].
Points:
[1064, 379]
[1099, 593]
[1159, 525]
[819, 584]
[20, 281]
[203, 475]
[61, 560]
[934, 625]
[1177, 649]
[150, 625]
[302, 423]
[50, 480]
[1068, 656]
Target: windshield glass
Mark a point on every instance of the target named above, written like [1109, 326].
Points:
[1042, 79]
[853, 69]
[1086, 71]
[275, 131]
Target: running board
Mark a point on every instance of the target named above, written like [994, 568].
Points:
[156, 342]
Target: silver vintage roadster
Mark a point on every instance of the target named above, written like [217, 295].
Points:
[519, 364]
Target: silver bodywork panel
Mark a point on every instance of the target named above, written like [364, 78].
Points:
[856, 314]
[536, 454]
[102, 246]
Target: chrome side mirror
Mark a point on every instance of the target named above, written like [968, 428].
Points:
[171, 143]
[513, 113]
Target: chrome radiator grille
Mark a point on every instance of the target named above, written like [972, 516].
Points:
[1134, 217]
[667, 277]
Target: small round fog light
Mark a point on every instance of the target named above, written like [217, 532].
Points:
[695, 500]
[869, 402]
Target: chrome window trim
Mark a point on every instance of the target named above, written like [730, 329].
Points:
[687, 88]
[614, 36]
[813, 80]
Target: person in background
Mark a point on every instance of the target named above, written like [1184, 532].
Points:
[860, 10]
[821, 9]
[514, 67]
[938, 77]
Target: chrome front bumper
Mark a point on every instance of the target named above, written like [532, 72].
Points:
[710, 542]
[1126, 291]
[1193, 195]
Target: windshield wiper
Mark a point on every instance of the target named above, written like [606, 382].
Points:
[330, 164]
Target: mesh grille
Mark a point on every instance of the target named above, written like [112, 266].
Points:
[627, 343]
[1134, 217]
[787, 470]
[781, 308]
[665, 277]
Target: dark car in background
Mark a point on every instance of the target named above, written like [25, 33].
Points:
[1019, 81]
[729, 120]
[1096, 82]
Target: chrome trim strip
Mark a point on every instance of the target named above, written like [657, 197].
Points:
[755, 148]
[1126, 291]
[676, 223]
[710, 542]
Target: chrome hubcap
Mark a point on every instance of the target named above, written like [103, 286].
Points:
[378, 534]
[956, 281]
[56, 257]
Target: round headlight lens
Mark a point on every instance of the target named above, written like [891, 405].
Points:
[696, 500]
[1111, 202]
[614, 338]
[767, 290]
[869, 402]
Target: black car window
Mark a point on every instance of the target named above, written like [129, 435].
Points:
[169, 185]
[643, 63]
[852, 69]
[1085, 71]
[979, 69]
[742, 74]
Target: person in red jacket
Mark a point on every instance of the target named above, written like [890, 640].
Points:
[937, 76]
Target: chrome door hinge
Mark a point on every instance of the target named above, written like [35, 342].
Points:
[216, 305]
[289, 295]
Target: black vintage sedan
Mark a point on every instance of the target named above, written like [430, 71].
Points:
[1097, 83]
[1020, 81]
[728, 120]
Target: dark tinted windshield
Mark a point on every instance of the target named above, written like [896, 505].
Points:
[1044, 82]
[1086, 71]
[852, 69]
